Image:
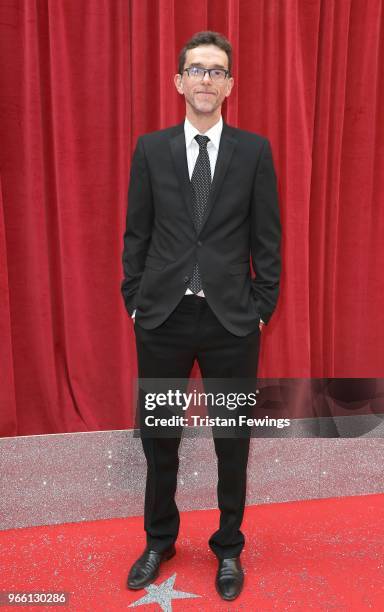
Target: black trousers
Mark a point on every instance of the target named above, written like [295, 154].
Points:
[192, 331]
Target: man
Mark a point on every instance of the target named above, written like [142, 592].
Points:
[202, 199]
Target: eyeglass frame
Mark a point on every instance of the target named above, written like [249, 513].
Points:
[209, 70]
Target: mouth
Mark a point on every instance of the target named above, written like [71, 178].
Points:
[206, 93]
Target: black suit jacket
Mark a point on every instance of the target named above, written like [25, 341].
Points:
[241, 220]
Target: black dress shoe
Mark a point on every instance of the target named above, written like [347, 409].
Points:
[229, 578]
[146, 569]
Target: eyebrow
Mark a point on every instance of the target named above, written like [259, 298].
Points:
[200, 65]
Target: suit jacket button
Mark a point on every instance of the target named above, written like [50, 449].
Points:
[186, 279]
[199, 243]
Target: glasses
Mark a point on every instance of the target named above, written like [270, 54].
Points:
[216, 74]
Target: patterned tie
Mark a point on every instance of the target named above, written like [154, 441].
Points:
[201, 184]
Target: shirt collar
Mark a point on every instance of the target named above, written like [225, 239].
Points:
[214, 133]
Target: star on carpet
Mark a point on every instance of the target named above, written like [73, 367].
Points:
[162, 594]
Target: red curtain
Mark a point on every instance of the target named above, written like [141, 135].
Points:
[79, 82]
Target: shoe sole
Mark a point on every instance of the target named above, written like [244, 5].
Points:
[166, 557]
[228, 598]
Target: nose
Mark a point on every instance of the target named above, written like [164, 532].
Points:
[206, 77]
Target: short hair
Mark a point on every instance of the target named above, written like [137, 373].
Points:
[206, 38]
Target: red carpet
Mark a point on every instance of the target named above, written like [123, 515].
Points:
[310, 555]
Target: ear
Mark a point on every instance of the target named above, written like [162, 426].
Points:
[178, 83]
[230, 84]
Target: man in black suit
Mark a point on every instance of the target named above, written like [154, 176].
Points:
[202, 200]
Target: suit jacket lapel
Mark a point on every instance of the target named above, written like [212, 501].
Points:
[226, 148]
[179, 154]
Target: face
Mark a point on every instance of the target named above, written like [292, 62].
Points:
[204, 96]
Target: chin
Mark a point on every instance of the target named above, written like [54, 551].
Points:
[205, 108]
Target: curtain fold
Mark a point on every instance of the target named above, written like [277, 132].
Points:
[8, 419]
[79, 81]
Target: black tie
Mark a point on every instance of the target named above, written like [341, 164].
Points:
[201, 184]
